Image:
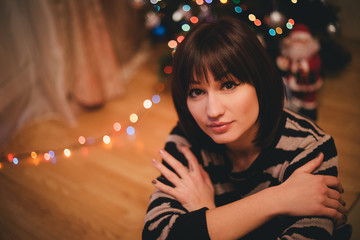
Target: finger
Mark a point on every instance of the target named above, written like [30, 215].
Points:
[333, 213]
[205, 176]
[335, 204]
[174, 163]
[334, 194]
[310, 166]
[168, 174]
[164, 188]
[192, 160]
[334, 183]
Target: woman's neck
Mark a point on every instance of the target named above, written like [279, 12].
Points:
[244, 151]
[242, 159]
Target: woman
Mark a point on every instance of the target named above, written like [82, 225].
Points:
[238, 165]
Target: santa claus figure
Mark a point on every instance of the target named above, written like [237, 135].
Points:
[300, 61]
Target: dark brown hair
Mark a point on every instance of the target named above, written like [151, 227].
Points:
[227, 47]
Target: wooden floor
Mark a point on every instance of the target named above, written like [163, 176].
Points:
[102, 191]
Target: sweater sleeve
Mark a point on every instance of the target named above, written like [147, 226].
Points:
[312, 227]
[166, 218]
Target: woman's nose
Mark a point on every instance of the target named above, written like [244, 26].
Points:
[214, 106]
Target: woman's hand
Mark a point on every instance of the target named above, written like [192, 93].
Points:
[305, 194]
[193, 187]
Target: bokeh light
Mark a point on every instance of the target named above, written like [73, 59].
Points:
[10, 157]
[172, 44]
[177, 16]
[238, 9]
[90, 140]
[33, 154]
[186, 8]
[81, 140]
[168, 69]
[130, 130]
[194, 20]
[67, 152]
[272, 32]
[106, 139]
[257, 22]
[155, 99]
[185, 27]
[133, 118]
[180, 39]
[117, 126]
[52, 154]
[147, 104]
[47, 156]
[199, 2]
[252, 17]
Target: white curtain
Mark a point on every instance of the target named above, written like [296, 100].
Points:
[31, 62]
[57, 53]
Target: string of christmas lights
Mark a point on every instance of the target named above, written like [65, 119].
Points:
[186, 18]
[82, 141]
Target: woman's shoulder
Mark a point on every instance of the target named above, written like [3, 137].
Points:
[300, 132]
[298, 125]
[178, 137]
[301, 141]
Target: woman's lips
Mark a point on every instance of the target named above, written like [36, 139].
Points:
[219, 127]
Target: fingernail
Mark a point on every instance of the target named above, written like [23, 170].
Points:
[154, 161]
[161, 152]
[153, 181]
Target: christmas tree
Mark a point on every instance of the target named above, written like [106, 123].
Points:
[170, 20]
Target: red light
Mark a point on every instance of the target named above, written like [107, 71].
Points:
[168, 69]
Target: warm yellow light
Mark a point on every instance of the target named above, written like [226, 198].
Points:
[133, 118]
[294, 1]
[81, 140]
[223, 1]
[33, 154]
[252, 17]
[106, 139]
[279, 30]
[67, 152]
[172, 44]
[147, 104]
[117, 126]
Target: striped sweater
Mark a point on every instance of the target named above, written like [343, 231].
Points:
[298, 141]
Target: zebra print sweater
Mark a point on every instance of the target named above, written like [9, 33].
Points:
[298, 141]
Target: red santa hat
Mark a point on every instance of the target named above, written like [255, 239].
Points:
[300, 28]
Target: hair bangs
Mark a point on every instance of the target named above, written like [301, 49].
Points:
[219, 62]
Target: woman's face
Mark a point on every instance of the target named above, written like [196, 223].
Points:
[225, 110]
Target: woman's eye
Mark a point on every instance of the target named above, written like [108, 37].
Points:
[230, 85]
[195, 92]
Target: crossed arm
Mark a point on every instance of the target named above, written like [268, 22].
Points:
[313, 195]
